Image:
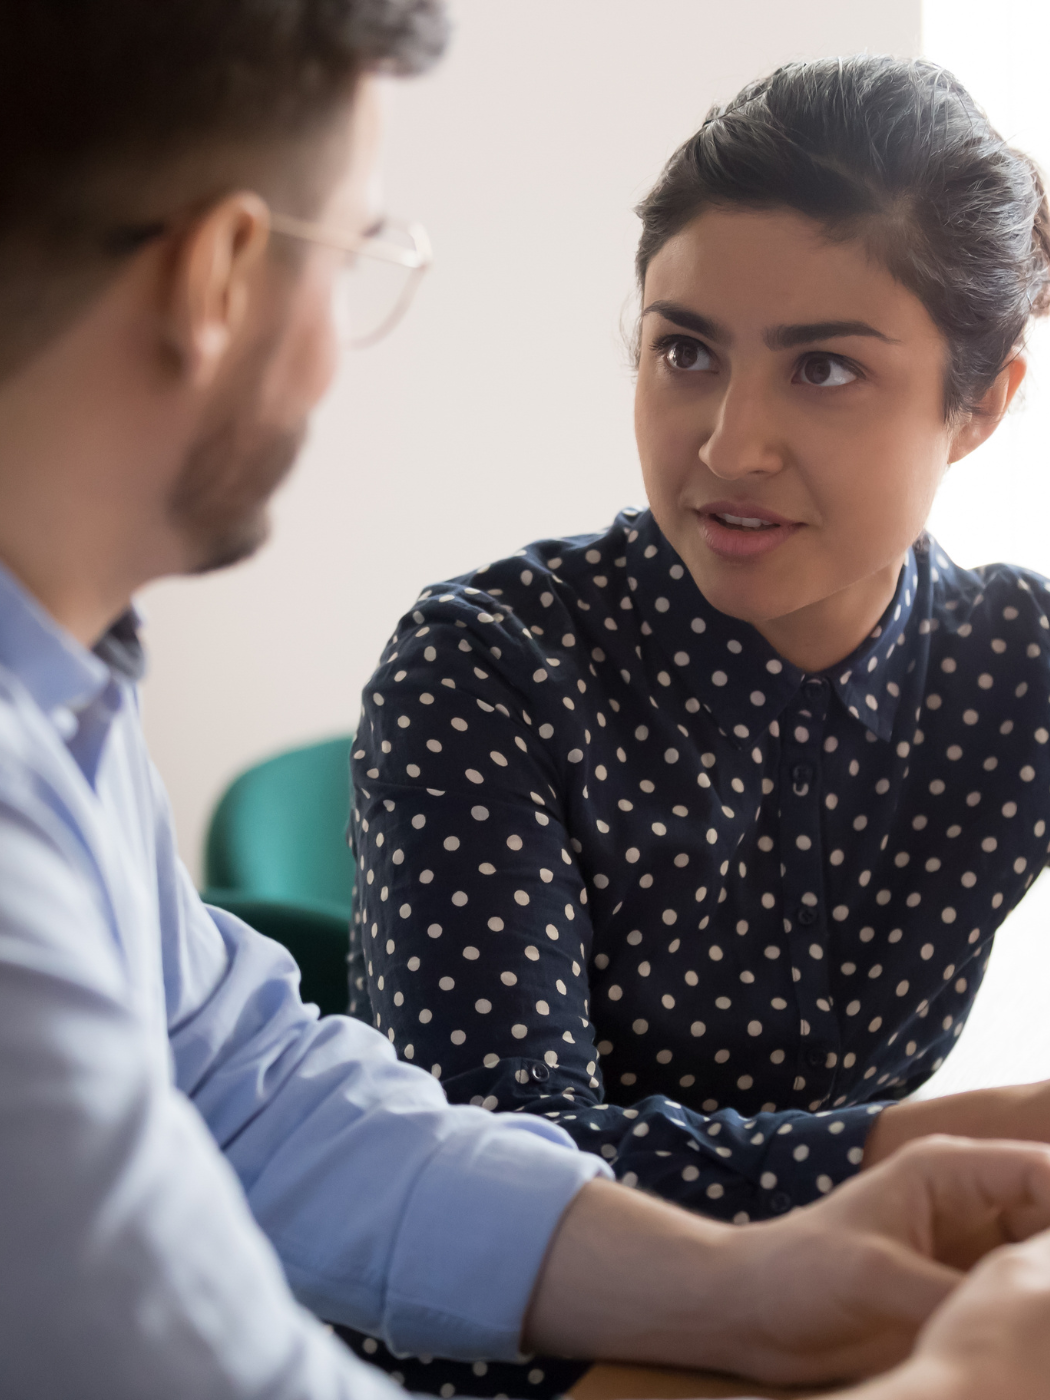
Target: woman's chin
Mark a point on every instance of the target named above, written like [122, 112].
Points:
[755, 601]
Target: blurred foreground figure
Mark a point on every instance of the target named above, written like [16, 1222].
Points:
[192, 1165]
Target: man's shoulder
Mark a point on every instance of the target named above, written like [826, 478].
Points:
[43, 817]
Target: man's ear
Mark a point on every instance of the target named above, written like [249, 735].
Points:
[211, 282]
[981, 422]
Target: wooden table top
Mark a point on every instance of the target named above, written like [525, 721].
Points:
[608, 1382]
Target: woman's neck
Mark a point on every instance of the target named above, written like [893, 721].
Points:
[817, 636]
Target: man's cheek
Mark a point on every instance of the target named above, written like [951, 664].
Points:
[304, 368]
[323, 363]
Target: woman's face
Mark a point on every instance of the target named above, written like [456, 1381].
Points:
[790, 421]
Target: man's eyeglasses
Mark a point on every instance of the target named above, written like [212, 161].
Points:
[381, 270]
[381, 273]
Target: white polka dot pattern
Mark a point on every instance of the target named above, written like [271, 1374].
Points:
[670, 891]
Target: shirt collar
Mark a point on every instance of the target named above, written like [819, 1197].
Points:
[56, 670]
[732, 670]
[869, 682]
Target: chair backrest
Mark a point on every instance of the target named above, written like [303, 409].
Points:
[317, 938]
[279, 830]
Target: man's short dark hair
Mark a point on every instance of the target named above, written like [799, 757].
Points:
[115, 111]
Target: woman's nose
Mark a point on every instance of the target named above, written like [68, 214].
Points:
[743, 441]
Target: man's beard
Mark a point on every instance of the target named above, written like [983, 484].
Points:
[220, 501]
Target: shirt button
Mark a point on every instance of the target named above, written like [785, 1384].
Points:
[806, 915]
[540, 1073]
[779, 1202]
[65, 721]
[801, 774]
[815, 686]
[816, 1058]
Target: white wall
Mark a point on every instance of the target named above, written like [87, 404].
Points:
[502, 410]
[996, 505]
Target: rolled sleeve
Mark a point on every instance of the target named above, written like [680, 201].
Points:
[809, 1154]
[512, 1190]
[391, 1210]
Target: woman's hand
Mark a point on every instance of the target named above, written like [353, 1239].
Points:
[836, 1290]
[1018, 1112]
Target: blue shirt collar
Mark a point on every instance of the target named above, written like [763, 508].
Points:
[55, 669]
[732, 670]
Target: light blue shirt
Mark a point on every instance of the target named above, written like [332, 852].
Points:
[181, 1138]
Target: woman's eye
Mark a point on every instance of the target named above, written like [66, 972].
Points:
[825, 372]
[687, 355]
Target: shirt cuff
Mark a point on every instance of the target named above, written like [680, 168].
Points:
[474, 1236]
[812, 1153]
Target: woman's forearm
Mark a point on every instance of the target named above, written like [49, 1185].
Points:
[1019, 1111]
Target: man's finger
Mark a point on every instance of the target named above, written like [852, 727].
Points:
[955, 1198]
[904, 1286]
[880, 1294]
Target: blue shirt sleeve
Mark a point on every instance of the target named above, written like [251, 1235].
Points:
[128, 1055]
[131, 1258]
[321, 1122]
[473, 934]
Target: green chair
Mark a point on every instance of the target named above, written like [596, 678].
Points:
[276, 856]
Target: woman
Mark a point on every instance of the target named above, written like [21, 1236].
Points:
[694, 834]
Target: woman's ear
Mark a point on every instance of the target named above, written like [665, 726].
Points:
[982, 420]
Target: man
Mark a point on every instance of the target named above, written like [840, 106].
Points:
[180, 1139]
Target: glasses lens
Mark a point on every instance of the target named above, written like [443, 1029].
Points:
[376, 289]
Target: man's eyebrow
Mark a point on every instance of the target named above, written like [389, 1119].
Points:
[680, 315]
[787, 337]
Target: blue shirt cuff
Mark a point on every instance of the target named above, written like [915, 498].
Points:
[474, 1236]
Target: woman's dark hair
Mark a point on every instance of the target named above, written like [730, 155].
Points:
[896, 153]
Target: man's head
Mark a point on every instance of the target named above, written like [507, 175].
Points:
[160, 346]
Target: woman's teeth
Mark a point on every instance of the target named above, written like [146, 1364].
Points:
[745, 522]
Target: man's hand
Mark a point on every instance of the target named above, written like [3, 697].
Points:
[993, 1337]
[989, 1341]
[843, 1285]
[836, 1290]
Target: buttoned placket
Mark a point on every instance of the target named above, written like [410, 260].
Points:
[806, 914]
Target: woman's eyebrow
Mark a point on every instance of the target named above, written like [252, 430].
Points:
[680, 315]
[787, 337]
[776, 337]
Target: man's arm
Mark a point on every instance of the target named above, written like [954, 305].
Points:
[139, 1268]
[989, 1341]
[131, 1264]
[391, 1210]
[837, 1289]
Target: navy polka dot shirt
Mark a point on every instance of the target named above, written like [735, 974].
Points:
[623, 865]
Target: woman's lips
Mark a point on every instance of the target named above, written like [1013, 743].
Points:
[739, 530]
